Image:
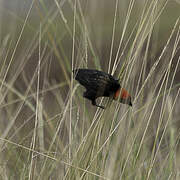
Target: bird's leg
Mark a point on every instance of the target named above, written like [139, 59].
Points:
[91, 95]
[94, 104]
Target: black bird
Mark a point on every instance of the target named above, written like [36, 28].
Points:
[99, 84]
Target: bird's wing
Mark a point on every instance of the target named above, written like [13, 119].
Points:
[101, 82]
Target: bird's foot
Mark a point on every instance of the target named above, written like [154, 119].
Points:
[94, 104]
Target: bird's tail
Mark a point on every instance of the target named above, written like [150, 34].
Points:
[80, 76]
[75, 73]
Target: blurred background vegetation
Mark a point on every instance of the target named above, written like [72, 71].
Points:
[48, 131]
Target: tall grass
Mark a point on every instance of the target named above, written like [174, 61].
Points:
[49, 131]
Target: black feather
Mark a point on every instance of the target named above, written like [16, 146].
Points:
[97, 83]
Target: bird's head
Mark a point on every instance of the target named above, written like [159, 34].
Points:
[123, 96]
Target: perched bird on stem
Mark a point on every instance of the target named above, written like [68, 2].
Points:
[99, 84]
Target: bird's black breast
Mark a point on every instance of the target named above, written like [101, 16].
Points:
[98, 82]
